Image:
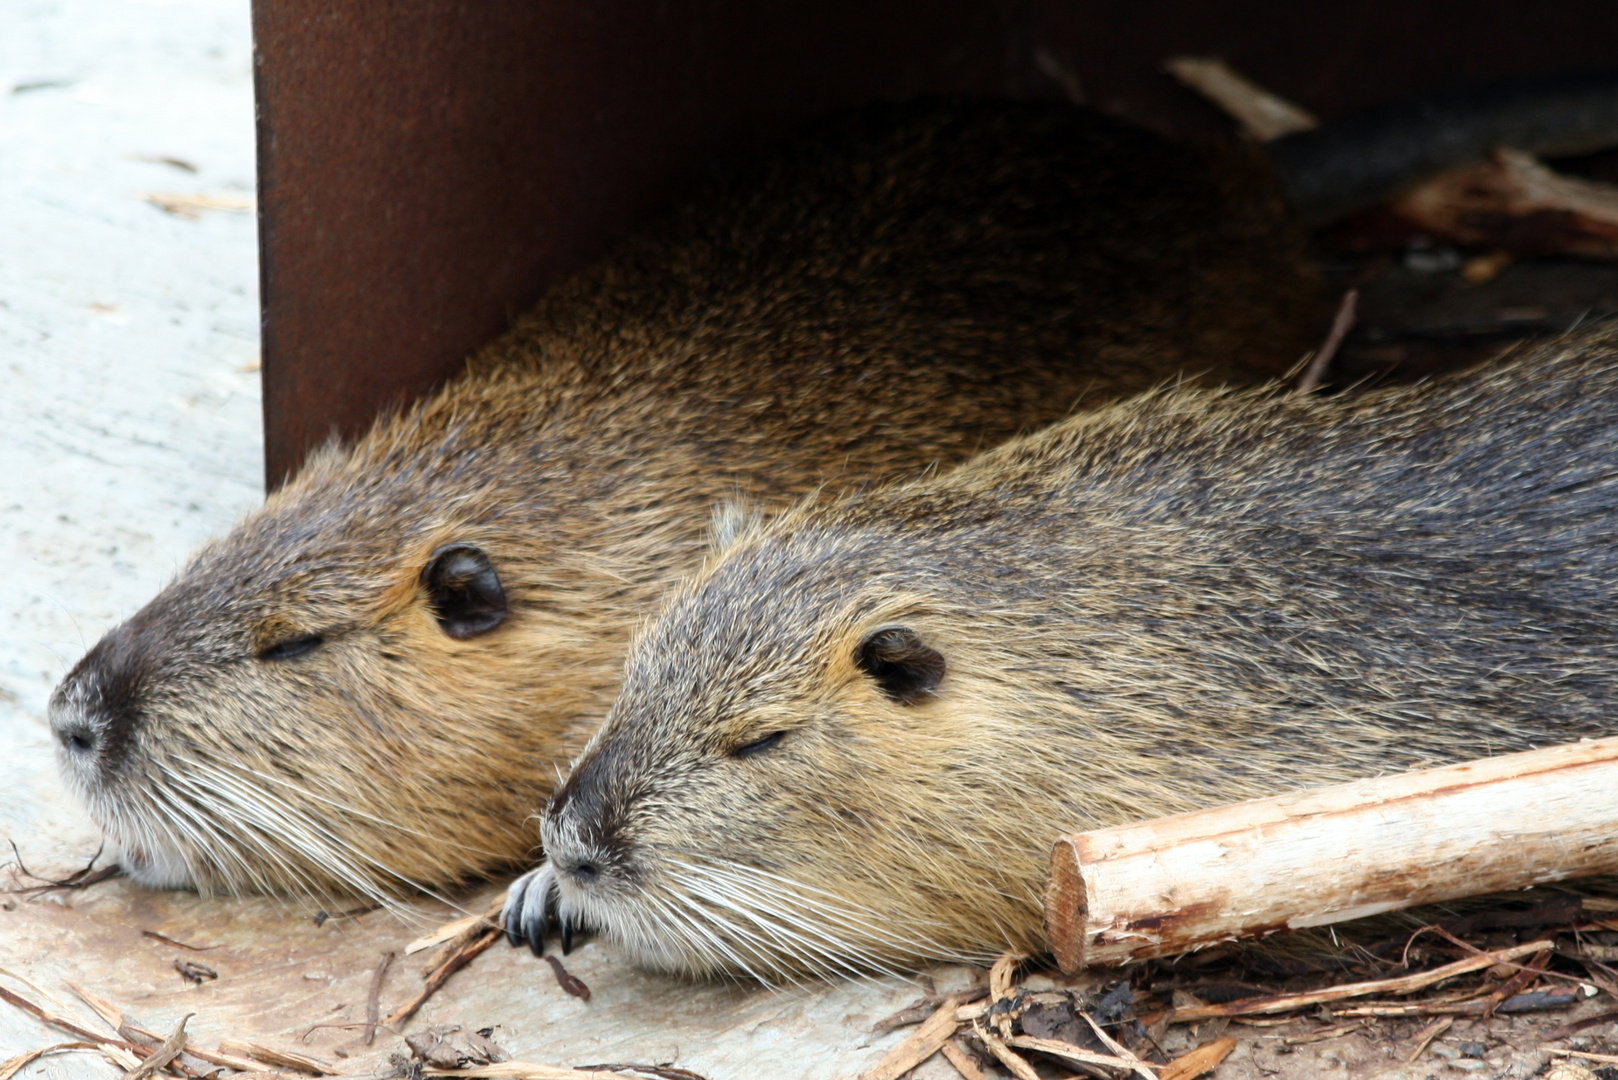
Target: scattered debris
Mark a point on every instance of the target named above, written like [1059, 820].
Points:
[448, 1046]
[165, 159]
[160, 1058]
[79, 879]
[194, 206]
[322, 916]
[155, 936]
[1263, 116]
[193, 972]
[31, 85]
[281, 1059]
[373, 1000]
[1341, 324]
[459, 956]
[572, 984]
[13, 1065]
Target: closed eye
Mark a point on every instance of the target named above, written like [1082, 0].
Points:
[291, 647]
[758, 746]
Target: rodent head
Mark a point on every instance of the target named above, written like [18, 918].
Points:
[346, 694]
[793, 770]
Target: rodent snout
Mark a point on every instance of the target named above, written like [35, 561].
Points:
[95, 712]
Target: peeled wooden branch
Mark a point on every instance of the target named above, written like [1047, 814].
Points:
[1311, 858]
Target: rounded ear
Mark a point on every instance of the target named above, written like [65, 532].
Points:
[904, 667]
[464, 590]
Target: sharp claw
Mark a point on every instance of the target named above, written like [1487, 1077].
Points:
[567, 935]
[510, 916]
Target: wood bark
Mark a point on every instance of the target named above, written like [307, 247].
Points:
[1320, 856]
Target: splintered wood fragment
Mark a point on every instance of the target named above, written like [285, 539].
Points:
[959, 1058]
[1404, 984]
[14, 1065]
[373, 1000]
[1016, 1063]
[135, 1033]
[923, 1007]
[1199, 1061]
[1582, 1055]
[465, 926]
[160, 1058]
[1058, 1048]
[125, 1054]
[1341, 324]
[1513, 202]
[1428, 1034]
[1114, 1045]
[918, 1046]
[1263, 116]
[1315, 857]
[282, 1059]
[570, 983]
[1560, 998]
[457, 959]
[520, 1070]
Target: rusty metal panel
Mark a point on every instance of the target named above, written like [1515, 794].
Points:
[428, 166]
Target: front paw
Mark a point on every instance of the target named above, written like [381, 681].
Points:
[529, 908]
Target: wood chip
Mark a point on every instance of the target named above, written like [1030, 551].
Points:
[373, 1001]
[12, 1066]
[135, 1033]
[918, 1046]
[569, 982]
[194, 206]
[1263, 116]
[1583, 1055]
[444, 933]
[457, 959]
[1066, 1050]
[1009, 1058]
[1198, 1061]
[282, 1059]
[164, 1054]
[520, 1070]
[963, 1062]
[1404, 984]
[1428, 1034]
[1115, 1046]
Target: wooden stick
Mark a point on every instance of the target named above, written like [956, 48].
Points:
[456, 960]
[1262, 115]
[1311, 858]
[918, 1046]
[1080, 1054]
[962, 1061]
[1404, 984]
[1341, 324]
[1199, 1061]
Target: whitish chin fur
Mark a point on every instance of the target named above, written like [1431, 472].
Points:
[725, 921]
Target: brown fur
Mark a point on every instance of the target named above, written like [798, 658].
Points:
[895, 289]
[1186, 599]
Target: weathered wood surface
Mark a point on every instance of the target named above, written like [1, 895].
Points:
[1321, 856]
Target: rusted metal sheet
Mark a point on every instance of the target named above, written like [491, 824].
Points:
[428, 166]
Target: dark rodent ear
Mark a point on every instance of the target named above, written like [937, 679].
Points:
[464, 590]
[904, 667]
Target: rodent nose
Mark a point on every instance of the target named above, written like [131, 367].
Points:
[584, 873]
[77, 738]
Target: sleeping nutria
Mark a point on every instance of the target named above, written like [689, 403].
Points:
[849, 742]
[368, 685]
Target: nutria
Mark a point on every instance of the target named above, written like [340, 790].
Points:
[369, 684]
[850, 741]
